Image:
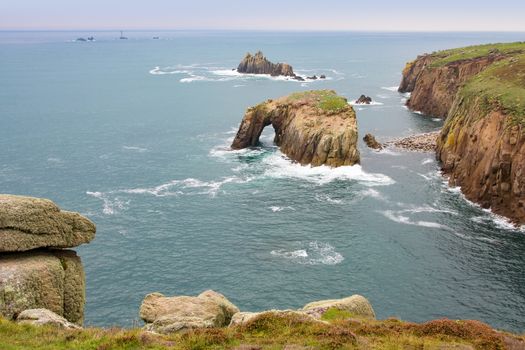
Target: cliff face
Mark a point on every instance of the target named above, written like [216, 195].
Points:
[481, 92]
[258, 64]
[313, 127]
[434, 88]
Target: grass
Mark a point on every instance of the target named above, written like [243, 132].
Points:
[326, 100]
[269, 331]
[501, 87]
[441, 58]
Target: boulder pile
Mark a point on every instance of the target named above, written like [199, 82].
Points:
[35, 272]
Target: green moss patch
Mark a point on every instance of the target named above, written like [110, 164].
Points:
[326, 100]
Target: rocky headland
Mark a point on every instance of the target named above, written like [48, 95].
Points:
[311, 127]
[480, 90]
[34, 272]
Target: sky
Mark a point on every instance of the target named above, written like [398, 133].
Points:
[363, 15]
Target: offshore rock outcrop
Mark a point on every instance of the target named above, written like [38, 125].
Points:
[481, 92]
[33, 276]
[312, 127]
[258, 64]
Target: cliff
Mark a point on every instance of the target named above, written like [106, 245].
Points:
[258, 64]
[481, 92]
[312, 127]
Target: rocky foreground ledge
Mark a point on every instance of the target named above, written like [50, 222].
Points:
[34, 273]
[210, 321]
[312, 127]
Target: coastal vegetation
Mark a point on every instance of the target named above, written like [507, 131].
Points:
[270, 332]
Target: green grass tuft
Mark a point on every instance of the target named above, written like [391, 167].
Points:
[336, 314]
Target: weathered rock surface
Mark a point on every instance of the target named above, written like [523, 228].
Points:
[363, 100]
[242, 318]
[312, 127]
[173, 314]
[371, 142]
[258, 64]
[356, 304]
[44, 317]
[433, 89]
[52, 280]
[27, 223]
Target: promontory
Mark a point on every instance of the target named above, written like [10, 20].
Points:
[311, 127]
[480, 90]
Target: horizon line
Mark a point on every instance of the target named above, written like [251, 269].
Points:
[257, 30]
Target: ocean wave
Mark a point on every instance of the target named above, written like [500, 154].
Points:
[427, 161]
[135, 148]
[327, 198]
[315, 253]
[167, 71]
[279, 166]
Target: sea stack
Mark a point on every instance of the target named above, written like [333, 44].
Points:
[480, 90]
[312, 127]
[258, 64]
[34, 272]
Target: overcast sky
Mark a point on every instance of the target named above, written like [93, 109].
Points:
[411, 15]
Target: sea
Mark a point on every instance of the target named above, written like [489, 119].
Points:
[135, 135]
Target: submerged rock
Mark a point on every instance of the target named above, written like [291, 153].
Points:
[258, 64]
[41, 317]
[371, 142]
[364, 100]
[27, 223]
[173, 314]
[53, 280]
[311, 127]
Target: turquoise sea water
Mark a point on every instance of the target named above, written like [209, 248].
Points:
[134, 134]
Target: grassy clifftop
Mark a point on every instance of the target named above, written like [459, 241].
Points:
[441, 58]
[272, 332]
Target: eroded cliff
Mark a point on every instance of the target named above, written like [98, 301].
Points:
[481, 92]
[312, 127]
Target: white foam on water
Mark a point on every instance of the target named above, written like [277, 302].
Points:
[397, 216]
[388, 152]
[166, 71]
[55, 160]
[390, 88]
[328, 199]
[277, 208]
[135, 148]
[373, 193]
[437, 119]
[373, 103]
[315, 253]
[279, 166]
[383, 96]
[180, 187]
[109, 206]
[427, 161]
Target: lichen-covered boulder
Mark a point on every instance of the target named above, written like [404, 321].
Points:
[44, 317]
[52, 280]
[174, 314]
[242, 318]
[356, 304]
[28, 223]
